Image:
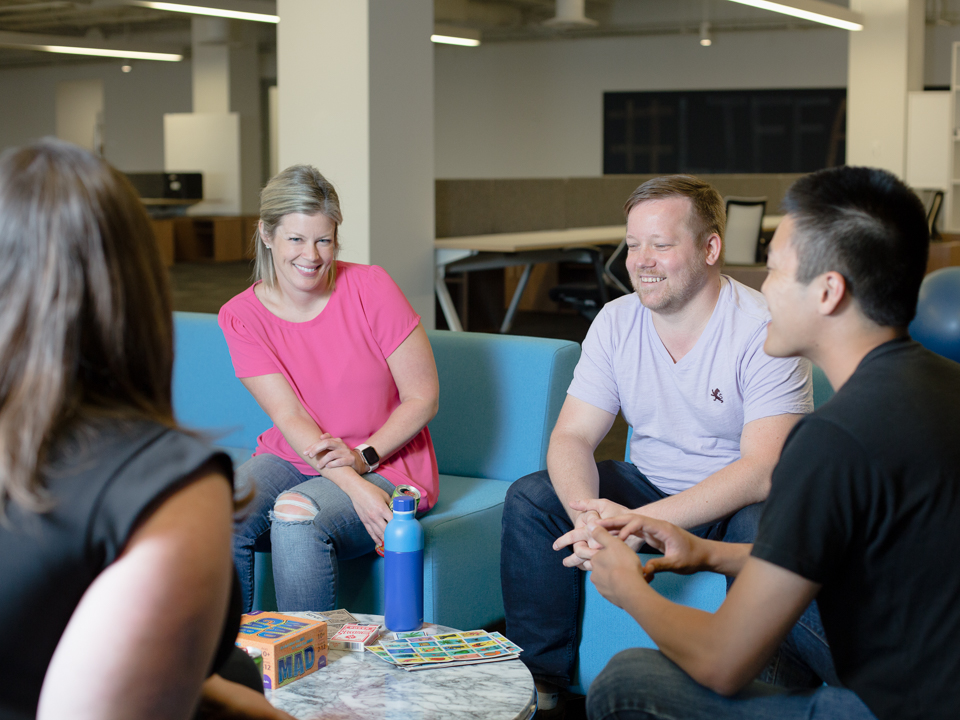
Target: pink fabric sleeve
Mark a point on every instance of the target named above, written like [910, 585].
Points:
[388, 312]
[248, 355]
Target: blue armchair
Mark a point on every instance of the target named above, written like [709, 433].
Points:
[499, 400]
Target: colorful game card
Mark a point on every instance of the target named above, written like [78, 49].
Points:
[416, 652]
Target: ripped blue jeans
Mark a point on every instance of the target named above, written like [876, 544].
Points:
[305, 549]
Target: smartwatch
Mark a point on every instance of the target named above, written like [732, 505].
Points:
[369, 455]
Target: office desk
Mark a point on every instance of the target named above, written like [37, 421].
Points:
[500, 250]
[770, 222]
[487, 252]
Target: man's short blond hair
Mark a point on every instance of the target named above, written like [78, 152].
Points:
[709, 214]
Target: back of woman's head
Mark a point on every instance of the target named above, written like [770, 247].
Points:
[298, 189]
[85, 323]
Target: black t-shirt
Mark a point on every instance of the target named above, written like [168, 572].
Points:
[866, 501]
[102, 483]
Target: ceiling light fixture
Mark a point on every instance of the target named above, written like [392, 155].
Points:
[206, 10]
[814, 10]
[104, 52]
[78, 46]
[706, 39]
[451, 35]
[570, 15]
[35, 6]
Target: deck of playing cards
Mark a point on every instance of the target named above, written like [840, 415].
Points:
[355, 637]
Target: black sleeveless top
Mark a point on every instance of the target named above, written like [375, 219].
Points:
[102, 484]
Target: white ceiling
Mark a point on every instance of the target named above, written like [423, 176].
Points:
[498, 21]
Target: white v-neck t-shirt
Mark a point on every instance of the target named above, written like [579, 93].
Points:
[687, 417]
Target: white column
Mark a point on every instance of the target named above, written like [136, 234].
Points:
[355, 88]
[226, 79]
[210, 41]
[886, 62]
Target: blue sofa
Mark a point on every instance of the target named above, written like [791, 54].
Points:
[499, 400]
[605, 629]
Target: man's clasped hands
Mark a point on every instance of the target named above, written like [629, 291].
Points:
[607, 536]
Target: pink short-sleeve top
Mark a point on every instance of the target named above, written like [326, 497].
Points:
[336, 364]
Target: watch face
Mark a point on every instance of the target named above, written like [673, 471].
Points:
[370, 456]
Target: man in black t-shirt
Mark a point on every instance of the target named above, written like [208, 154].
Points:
[864, 508]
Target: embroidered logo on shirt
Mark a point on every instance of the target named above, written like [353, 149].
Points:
[716, 395]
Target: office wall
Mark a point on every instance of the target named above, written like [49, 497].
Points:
[534, 109]
[134, 104]
[506, 110]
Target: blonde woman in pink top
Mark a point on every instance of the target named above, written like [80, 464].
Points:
[339, 360]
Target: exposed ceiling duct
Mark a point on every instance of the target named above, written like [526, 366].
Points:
[570, 14]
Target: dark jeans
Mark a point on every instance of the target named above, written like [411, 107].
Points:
[641, 684]
[541, 597]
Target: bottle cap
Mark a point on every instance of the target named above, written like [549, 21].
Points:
[403, 503]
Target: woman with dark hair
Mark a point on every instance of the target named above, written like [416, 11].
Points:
[115, 570]
[339, 360]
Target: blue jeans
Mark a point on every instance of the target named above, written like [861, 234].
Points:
[305, 551]
[541, 597]
[642, 684]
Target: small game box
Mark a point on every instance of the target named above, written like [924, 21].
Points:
[355, 637]
[292, 647]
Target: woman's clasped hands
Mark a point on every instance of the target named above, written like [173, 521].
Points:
[332, 452]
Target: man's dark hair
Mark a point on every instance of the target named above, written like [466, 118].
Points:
[868, 226]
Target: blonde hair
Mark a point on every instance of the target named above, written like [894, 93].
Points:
[298, 189]
[86, 329]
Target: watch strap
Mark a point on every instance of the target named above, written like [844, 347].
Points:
[372, 465]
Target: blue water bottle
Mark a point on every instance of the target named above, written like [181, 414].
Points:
[403, 555]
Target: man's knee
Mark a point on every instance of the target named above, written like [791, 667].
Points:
[743, 525]
[294, 507]
[533, 490]
[629, 677]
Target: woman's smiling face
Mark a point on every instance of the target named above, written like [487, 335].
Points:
[304, 247]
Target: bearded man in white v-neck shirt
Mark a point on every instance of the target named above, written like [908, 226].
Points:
[682, 358]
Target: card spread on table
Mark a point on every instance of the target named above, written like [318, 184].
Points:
[419, 651]
[335, 619]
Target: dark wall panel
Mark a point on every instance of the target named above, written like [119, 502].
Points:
[731, 131]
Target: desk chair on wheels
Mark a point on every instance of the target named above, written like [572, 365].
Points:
[744, 223]
[612, 282]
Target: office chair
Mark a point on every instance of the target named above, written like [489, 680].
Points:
[744, 224]
[933, 212]
[588, 297]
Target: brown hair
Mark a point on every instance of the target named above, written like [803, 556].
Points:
[86, 329]
[298, 189]
[709, 214]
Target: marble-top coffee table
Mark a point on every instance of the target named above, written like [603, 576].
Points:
[360, 685]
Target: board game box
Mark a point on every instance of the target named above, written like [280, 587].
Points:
[292, 647]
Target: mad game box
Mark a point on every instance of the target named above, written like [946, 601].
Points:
[292, 647]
